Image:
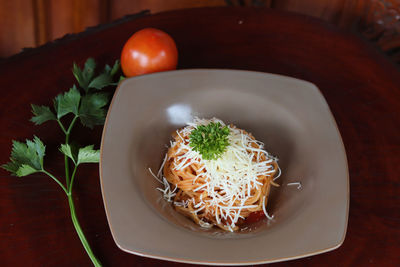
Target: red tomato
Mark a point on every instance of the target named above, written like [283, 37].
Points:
[148, 50]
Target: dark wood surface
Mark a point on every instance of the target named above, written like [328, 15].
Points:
[32, 23]
[361, 85]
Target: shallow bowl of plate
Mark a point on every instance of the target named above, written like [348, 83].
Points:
[290, 116]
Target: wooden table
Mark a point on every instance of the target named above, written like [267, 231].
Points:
[360, 84]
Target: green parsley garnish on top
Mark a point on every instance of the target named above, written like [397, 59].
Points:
[210, 140]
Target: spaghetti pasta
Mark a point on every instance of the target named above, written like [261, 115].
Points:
[220, 192]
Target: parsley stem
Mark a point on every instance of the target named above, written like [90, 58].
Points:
[80, 233]
[66, 164]
[69, 182]
[62, 126]
[56, 180]
[66, 160]
[71, 125]
[72, 179]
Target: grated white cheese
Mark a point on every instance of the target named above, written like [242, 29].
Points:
[167, 192]
[299, 186]
[265, 211]
[205, 224]
[229, 179]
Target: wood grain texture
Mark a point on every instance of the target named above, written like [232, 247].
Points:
[382, 24]
[29, 23]
[377, 20]
[42, 24]
[35, 22]
[17, 26]
[121, 8]
[360, 84]
[73, 16]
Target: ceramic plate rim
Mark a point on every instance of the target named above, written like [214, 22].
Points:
[222, 262]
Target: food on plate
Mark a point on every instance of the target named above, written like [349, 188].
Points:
[217, 174]
[148, 50]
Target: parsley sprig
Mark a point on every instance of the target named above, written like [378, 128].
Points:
[86, 103]
[210, 140]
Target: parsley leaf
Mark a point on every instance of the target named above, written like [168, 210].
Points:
[67, 102]
[86, 75]
[89, 107]
[115, 68]
[26, 158]
[106, 78]
[92, 110]
[210, 140]
[101, 81]
[25, 170]
[41, 114]
[84, 155]
[70, 151]
[121, 78]
[88, 155]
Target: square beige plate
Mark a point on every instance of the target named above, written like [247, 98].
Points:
[290, 116]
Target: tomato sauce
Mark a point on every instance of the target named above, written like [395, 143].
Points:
[251, 220]
[254, 217]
